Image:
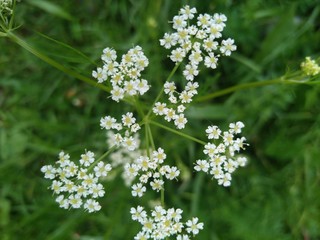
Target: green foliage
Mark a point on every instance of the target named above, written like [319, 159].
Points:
[43, 110]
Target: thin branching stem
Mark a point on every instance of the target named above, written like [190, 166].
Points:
[178, 132]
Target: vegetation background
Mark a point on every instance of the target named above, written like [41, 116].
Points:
[43, 111]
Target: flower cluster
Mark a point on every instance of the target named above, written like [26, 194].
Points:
[175, 111]
[310, 67]
[150, 169]
[124, 76]
[199, 41]
[128, 126]
[122, 156]
[76, 184]
[164, 223]
[222, 162]
[5, 7]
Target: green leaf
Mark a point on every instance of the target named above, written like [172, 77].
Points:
[51, 8]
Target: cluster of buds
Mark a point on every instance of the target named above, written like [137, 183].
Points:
[124, 77]
[222, 160]
[164, 223]
[310, 67]
[150, 169]
[6, 7]
[77, 185]
[128, 126]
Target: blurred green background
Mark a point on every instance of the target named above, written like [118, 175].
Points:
[43, 111]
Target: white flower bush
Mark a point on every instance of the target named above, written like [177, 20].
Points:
[196, 39]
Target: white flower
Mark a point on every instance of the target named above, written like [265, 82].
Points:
[159, 156]
[108, 122]
[159, 108]
[173, 99]
[143, 162]
[117, 93]
[193, 226]
[192, 88]
[186, 96]
[49, 171]
[227, 138]
[172, 172]
[135, 127]
[128, 119]
[100, 74]
[213, 132]
[96, 190]
[111, 68]
[138, 190]
[190, 72]
[56, 186]
[181, 108]
[215, 31]
[210, 45]
[169, 87]
[225, 180]
[63, 203]
[89, 180]
[179, 22]
[177, 55]
[180, 121]
[236, 127]
[102, 170]
[109, 55]
[168, 40]
[210, 149]
[202, 165]
[64, 159]
[157, 184]
[195, 56]
[183, 237]
[187, 12]
[220, 19]
[158, 213]
[138, 214]
[87, 158]
[227, 47]
[170, 114]
[230, 166]
[242, 161]
[217, 172]
[203, 20]
[92, 206]
[142, 86]
[211, 61]
[130, 87]
[75, 201]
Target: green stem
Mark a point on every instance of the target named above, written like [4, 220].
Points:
[225, 91]
[280, 80]
[162, 89]
[178, 133]
[53, 63]
[150, 136]
[138, 107]
[102, 157]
